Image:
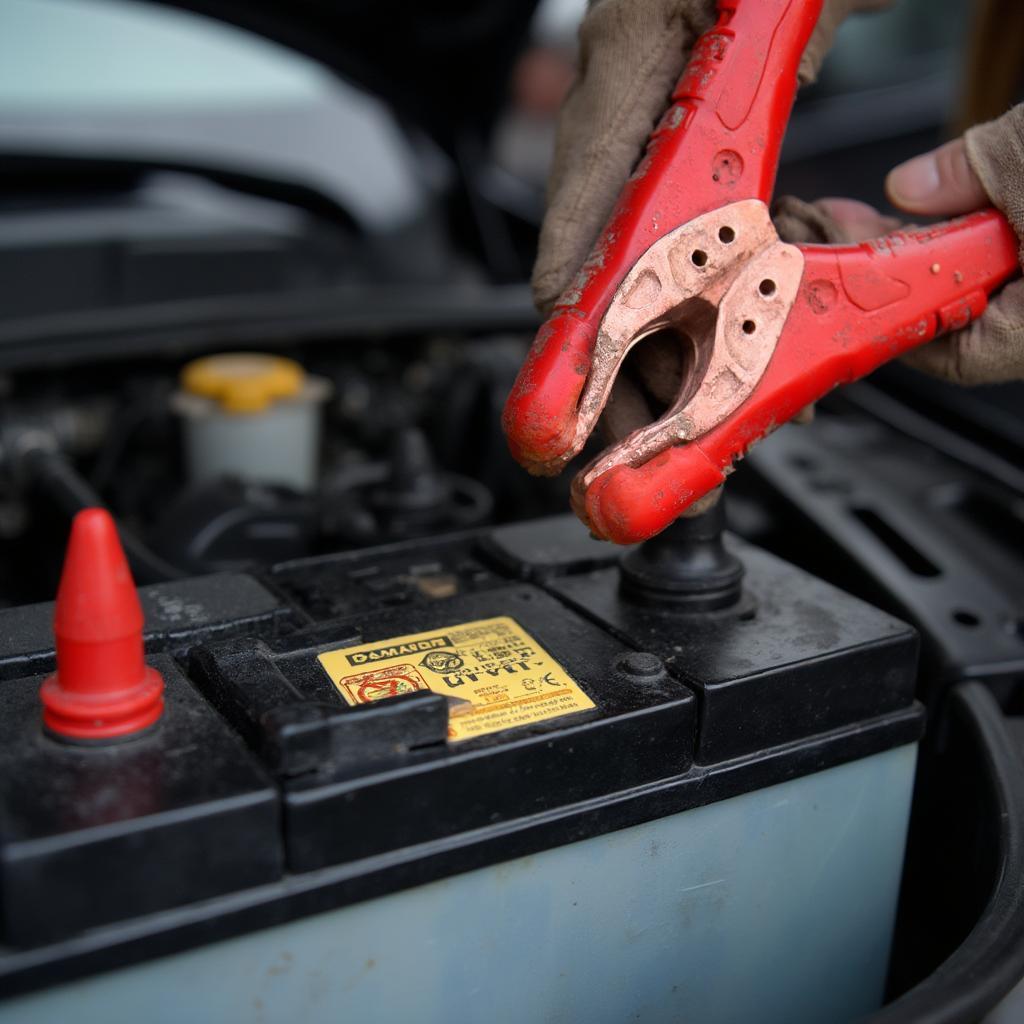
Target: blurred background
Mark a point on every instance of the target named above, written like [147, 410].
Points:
[144, 82]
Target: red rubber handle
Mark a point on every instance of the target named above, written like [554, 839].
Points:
[717, 143]
[858, 307]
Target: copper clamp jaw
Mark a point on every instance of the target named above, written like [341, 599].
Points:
[724, 285]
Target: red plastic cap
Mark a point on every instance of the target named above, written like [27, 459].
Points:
[103, 687]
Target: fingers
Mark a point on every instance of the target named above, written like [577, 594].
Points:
[986, 166]
[648, 382]
[996, 152]
[988, 351]
[829, 220]
[658, 365]
[856, 221]
[627, 410]
[705, 504]
[631, 54]
[797, 220]
[941, 183]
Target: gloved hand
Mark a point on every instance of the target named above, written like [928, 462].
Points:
[985, 166]
[632, 52]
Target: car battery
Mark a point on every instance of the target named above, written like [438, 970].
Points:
[463, 777]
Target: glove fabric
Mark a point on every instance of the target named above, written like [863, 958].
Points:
[632, 53]
[991, 349]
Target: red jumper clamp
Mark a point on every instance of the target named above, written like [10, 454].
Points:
[766, 328]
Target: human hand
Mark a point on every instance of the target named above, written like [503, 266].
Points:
[984, 167]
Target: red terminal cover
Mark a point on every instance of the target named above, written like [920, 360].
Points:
[103, 688]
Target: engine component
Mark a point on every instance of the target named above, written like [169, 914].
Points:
[407, 496]
[54, 475]
[686, 565]
[251, 416]
[223, 525]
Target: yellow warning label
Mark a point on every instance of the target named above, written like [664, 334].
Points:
[498, 675]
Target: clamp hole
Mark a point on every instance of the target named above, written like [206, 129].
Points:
[726, 234]
[749, 327]
[699, 257]
[766, 287]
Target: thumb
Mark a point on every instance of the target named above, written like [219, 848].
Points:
[937, 184]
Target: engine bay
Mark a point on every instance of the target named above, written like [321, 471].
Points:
[290, 406]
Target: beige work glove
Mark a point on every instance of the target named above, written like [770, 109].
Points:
[984, 167]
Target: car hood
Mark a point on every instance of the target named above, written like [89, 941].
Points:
[442, 66]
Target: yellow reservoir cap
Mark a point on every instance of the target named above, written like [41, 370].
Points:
[243, 382]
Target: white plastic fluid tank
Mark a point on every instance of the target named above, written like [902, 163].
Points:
[251, 416]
